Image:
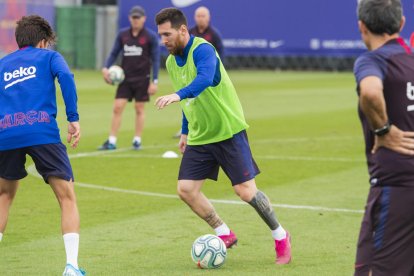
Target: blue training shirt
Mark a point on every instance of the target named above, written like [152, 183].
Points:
[28, 97]
[208, 73]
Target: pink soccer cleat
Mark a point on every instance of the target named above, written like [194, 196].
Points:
[283, 247]
[229, 240]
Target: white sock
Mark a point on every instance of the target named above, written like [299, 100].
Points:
[222, 230]
[136, 138]
[279, 233]
[112, 140]
[1, 236]
[71, 241]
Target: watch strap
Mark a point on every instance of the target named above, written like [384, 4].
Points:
[383, 130]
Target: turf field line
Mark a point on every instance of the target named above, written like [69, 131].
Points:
[256, 141]
[288, 206]
[136, 156]
[105, 152]
[268, 157]
[32, 171]
[304, 139]
[309, 158]
[97, 153]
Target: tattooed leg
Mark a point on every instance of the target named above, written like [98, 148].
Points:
[261, 203]
[213, 219]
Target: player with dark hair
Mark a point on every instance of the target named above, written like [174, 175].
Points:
[205, 30]
[140, 51]
[213, 130]
[385, 85]
[28, 126]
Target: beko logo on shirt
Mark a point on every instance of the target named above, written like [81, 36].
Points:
[132, 50]
[21, 74]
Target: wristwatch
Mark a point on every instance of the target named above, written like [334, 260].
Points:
[383, 130]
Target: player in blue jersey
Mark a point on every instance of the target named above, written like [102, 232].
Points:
[140, 51]
[28, 126]
[385, 85]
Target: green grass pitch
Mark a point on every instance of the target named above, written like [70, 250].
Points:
[305, 136]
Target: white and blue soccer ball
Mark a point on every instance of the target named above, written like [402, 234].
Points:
[209, 251]
[116, 74]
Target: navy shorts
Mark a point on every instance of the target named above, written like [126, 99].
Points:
[49, 159]
[386, 239]
[233, 156]
[137, 90]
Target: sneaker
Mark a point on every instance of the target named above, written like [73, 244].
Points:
[71, 271]
[229, 240]
[283, 247]
[136, 145]
[107, 146]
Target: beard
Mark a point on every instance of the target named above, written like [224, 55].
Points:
[177, 51]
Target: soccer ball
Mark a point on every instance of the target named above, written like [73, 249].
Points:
[209, 251]
[116, 74]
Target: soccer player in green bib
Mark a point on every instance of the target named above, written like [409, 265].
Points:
[213, 130]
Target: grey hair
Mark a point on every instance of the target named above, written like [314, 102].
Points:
[381, 16]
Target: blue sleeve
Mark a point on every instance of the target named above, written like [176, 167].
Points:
[61, 71]
[205, 61]
[184, 126]
[116, 49]
[369, 65]
[155, 56]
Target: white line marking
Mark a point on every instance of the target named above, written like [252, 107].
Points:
[266, 157]
[308, 158]
[112, 154]
[410, 108]
[32, 171]
[136, 156]
[305, 139]
[108, 152]
[96, 153]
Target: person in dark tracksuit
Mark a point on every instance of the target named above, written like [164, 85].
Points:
[204, 29]
[385, 85]
[140, 52]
